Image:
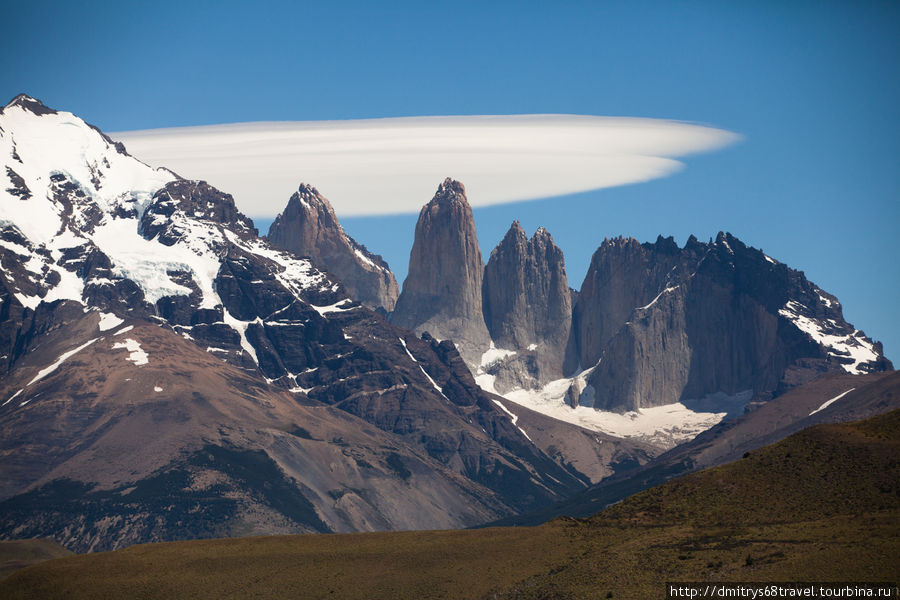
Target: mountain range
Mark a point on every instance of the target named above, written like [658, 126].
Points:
[171, 374]
[712, 325]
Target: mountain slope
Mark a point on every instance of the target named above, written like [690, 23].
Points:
[19, 554]
[793, 511]
[833, 398]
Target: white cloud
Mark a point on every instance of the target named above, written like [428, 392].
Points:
[384, 166]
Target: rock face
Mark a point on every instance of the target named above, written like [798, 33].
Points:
[623, 275]
[528, 307]
[308, 227]
[708, 325]
[442, 291]
[168, 374]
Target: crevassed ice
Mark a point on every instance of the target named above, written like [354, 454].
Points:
[493, 354]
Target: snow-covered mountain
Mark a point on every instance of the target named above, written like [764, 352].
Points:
[167, 373]
[63, 178]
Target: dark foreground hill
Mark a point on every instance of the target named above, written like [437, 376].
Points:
[18, 554]
[820, 505]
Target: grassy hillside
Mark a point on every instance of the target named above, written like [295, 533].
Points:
[17, 554]
[823, 504]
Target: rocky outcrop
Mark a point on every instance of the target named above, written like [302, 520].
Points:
[528, 307]
[200, 201]
[308, 227]
[622, 276]
[710, 325]
[442, 290]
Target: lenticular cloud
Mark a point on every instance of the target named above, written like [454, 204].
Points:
[386, 166]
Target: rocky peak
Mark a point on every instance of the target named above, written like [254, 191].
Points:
[666, 245]
[309, 227]
[515, 235]
[32, 105]
[711, 320]
[442, 292]
[451, 190]
[308, 201]
[528, 306]
[308, 224]
[182, 201]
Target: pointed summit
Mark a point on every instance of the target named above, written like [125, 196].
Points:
[442, 293]
[309, 227]
[32, 105]
[515, 233]
[450, 190]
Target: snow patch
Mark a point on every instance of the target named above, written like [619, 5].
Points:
[27, 301]
[136, 354]
[11, 398]
[336, 307]
[652, 302]
[241, 328]
[296, 274]
[514, 418]
[363, 257]
[109, 321]
[828, 403]
[156, 388]
[439, 389]
[854, 345]
[62, 358]
[665, 426]
[124, 330]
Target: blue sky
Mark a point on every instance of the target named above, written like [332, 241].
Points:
[813, 88]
